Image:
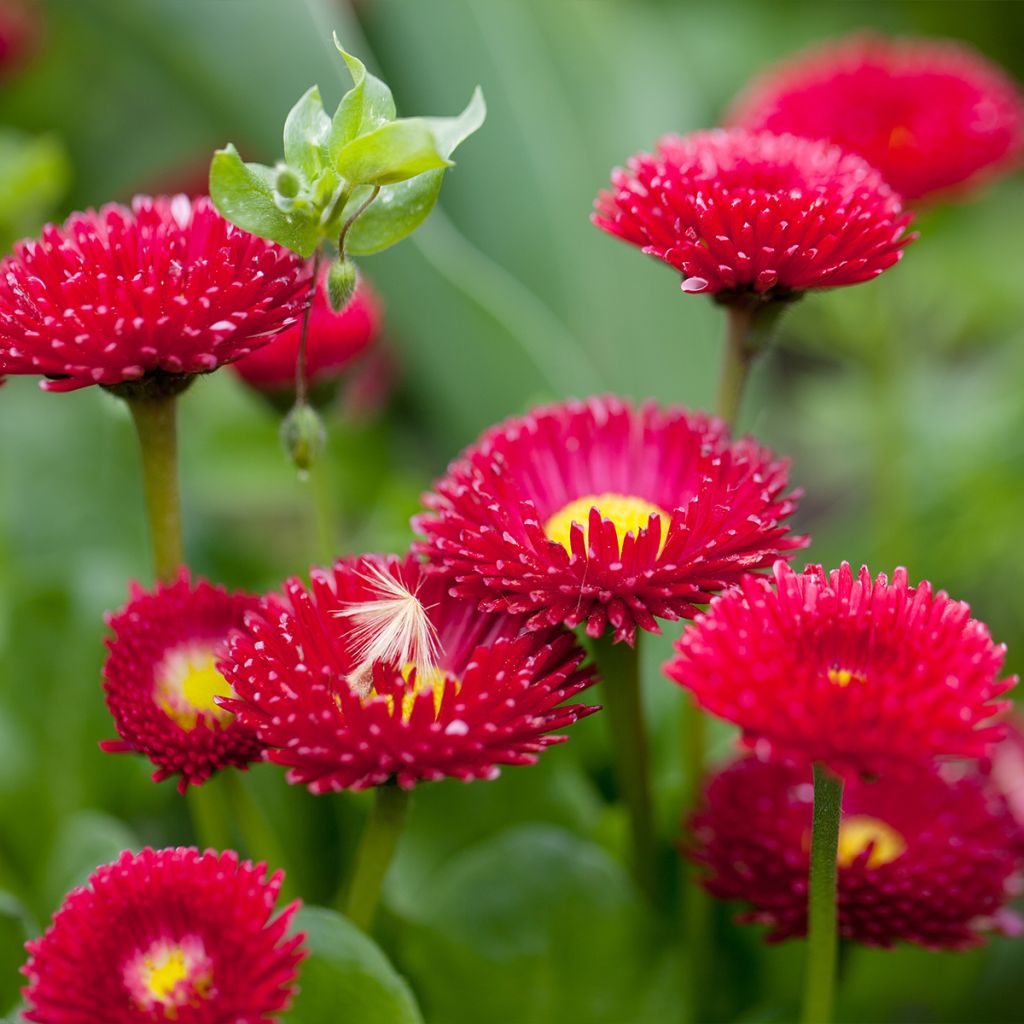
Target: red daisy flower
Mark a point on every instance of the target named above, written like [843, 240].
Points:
[739, 212]
[862, 675]
[929, 114]
[166, 935]
[603, 513]
[325, 686]
[161, 680]
[927, 860]
[166, 287]
[335, 340]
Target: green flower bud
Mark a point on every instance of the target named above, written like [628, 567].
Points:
[342, 279]
[288, 183]
[303, 435]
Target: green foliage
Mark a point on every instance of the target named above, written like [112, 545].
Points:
[347, 977]
[337, 168]
[35, 174]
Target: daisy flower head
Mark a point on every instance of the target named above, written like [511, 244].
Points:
[925, 859]
[931, 115]
[753, 216]
[864, 675]
[166, 935]
[143, 296]
[161, 680]
[608, 514]
[375, 674]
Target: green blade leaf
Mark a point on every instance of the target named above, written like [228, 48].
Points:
[306, 131]
[346, 969]
[394, 152]
[244, 194]
[367, 105]
[401, 208]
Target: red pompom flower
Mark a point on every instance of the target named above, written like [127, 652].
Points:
[926, 860]
[931, 115]
[602, 513]
[741, 212]
[331, 687]
[165, 287]
[335, 341]
[161, 680]
[860, 674]
[166, 935]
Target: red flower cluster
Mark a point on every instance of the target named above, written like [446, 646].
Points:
[335, 340]
[493, 697]
[739, 212]
[930, 115]
[167, 286]
[924, 860]
[167, 935]
[597, 512]
[161, 680]
[860, 674]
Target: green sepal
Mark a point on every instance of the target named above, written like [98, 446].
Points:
[342, 278]
[393, 152]
[245, 194]
[306, 131]
[401, 208]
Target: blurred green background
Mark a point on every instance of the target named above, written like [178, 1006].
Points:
[899, 402]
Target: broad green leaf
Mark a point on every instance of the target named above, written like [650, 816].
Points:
[347, 977]
[394, 152]
[244, 194]
[306, 130]
[401, 208]
[367, 105]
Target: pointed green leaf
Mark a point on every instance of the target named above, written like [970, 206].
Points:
[244, 194]
[391, 153]
[347, 970]
[306, 130]
[367, 105]
[401, 208]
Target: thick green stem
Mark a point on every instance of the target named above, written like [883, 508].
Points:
[376, 850]
[748, 329]
[324, 509]
[619, 665]
[210, 808]
[156, 425]
[822, 931]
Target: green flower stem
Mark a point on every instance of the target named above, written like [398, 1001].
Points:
[749, 327]
[822, 931]
[325, 511]
[619, 666]
[210, 808]
[258, 834]
[375, 853]
[156, 425]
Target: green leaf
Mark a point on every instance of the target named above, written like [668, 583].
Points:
[401, 208]
[244, 194]
[367, 105]
[347, 972]
[306, 131]
[35, 173]
[394, 152]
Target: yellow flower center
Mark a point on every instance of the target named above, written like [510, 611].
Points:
[859, 831]
[169, 976]
[187, 682]
[842, 677]
[431, 679]
[628, 513]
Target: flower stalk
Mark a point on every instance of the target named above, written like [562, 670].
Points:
[155, 418]
[619, 667]
[822, 930]
[376, 851]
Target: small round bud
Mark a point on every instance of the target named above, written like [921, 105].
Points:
[303, 435]
[342, 279]
[287, 183]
